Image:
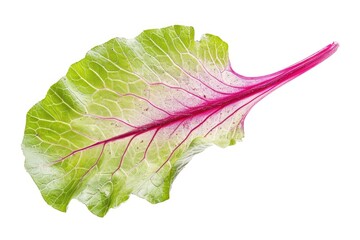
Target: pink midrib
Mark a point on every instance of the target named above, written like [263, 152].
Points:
[277, 79]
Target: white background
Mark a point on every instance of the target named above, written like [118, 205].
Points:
[296, 175]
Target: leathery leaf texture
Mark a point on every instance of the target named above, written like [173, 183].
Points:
[130, 115]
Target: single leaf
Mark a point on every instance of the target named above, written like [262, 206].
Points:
[130, 115]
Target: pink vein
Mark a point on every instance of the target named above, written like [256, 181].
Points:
[96, 162]
[272, 83]
[123, 155]
[148, 146]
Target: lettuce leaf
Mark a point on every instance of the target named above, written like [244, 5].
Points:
[130, 115]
